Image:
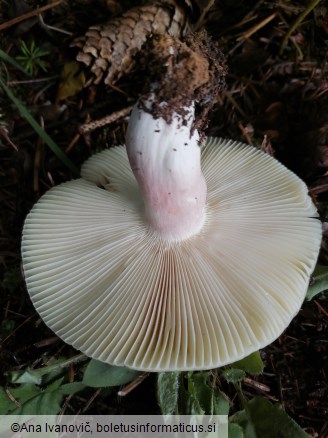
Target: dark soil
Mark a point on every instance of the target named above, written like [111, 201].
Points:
[276, 98]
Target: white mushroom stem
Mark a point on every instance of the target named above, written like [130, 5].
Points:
[165, 159]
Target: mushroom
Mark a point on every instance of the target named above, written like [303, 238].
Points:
[172, 253]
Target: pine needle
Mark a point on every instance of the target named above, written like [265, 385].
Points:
[38, 129]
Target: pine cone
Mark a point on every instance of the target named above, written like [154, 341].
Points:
[109, 49]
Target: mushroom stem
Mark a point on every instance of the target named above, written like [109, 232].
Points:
[165, 159]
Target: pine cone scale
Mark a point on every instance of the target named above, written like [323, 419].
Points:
[117, 42]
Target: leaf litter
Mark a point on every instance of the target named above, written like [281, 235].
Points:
[276, 96]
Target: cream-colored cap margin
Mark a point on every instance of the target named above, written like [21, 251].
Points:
[103, 282]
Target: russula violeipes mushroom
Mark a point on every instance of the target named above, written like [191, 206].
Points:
[168, 256]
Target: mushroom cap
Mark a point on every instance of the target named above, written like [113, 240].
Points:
[112, 288]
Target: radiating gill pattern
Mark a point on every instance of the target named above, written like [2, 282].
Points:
[105, 283]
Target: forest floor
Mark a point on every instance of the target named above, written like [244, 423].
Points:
[276, 98]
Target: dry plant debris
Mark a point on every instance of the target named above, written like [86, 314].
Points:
[188, 71]
[109, 49]
[281, 96]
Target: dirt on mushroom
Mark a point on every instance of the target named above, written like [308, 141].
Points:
[258, 77]
[193, 70]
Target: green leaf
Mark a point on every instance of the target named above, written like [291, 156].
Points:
[38, 129]
[72, 388]
[45, 374]
[189, 404]
[55, 385]
[235, 431]
[200, 395]
[23, 393]
[249, 431]
[5, 403]
[27, 376]
[168, 392]
[72, 80]
[233, 375]
[184, 401]
[203, 392]
[319, 282]
[45, 403]
[220, 403]
[199, 398]
[99, 374]
[34, 400]
[269, 421]
[252, 364]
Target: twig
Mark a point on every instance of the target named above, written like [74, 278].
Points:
[88, 127]
[31, 81]
[12, 398]
[64, 363]
[228, 95]
[257, 385]
[52, 182]
[200, 22]
[17, 328]
[280, 392]
[131, 386]
[72, 143]
[6, 310]
[317, 190]
[91, 400]
[47, 342]
[266, 146]
[37, 160]
[245, 133]
[297, 22]
[28, 15]
[64, 407]
[55, 29]
[324, 311]
[4, 134]
[298, 49]
[257, 27]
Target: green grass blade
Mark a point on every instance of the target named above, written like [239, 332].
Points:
[38, 129]
[9, 60]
